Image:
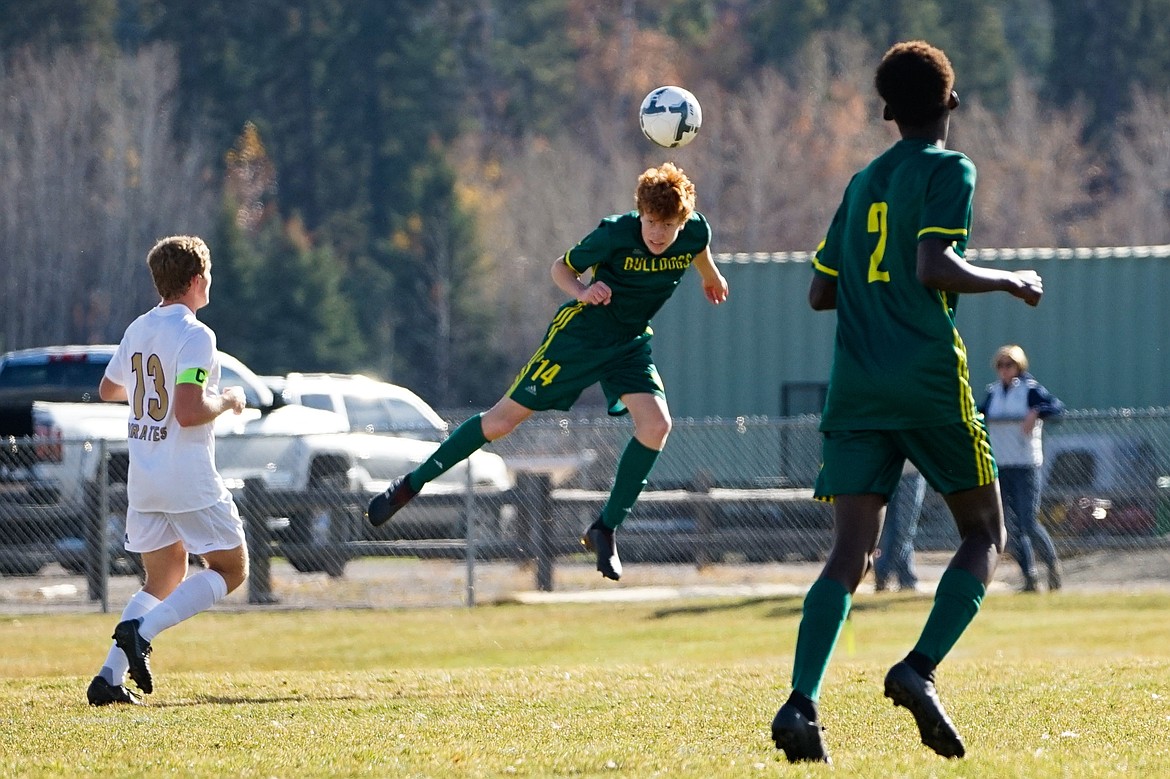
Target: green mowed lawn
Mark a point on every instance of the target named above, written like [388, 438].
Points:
[1066, 685]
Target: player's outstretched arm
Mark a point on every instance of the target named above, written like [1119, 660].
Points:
[714, 285]
[940, 267]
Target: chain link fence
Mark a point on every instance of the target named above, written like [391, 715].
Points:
[729, 502]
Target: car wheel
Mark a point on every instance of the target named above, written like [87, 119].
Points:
[16, 562]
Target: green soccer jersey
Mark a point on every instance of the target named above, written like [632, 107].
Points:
[898, 361]
[640, 281]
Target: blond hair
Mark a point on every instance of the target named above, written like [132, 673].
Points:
[1011, 352]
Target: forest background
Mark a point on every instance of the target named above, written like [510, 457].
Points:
[385, 183]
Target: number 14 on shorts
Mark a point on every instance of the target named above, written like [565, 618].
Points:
[545, 372]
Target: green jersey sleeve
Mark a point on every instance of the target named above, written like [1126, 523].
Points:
[946, 211]
[593, 248]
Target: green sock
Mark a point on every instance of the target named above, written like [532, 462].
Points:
[956, 602]
[634, 466]
[825, 608]
[463, 441]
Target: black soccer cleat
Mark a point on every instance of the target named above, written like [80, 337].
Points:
[599, 538]
[137, 650]
[906, 688]
[387, 504]
[799, 737]
[102, 693]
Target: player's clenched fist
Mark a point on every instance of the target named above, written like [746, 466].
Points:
[1031, 287]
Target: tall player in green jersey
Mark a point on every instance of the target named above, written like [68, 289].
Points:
[892, 266]
[600, 336]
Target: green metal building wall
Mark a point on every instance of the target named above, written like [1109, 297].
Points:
[1100, 338]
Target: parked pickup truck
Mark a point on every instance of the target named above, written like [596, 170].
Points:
[53, 429]
[53, 432]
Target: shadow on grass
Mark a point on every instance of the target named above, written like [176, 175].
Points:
[786, 606]
[221, 700]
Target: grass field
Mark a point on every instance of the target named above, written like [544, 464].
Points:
[1067, 685]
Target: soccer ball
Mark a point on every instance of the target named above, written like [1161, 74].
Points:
[670, 116]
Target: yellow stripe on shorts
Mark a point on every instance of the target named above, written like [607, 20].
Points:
[980, 443]
[558, 324]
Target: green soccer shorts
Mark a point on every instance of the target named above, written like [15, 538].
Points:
[952, 458]
[565, 365]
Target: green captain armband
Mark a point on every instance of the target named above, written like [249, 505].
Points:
[193, 376]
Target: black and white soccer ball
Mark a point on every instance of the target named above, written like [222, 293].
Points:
[670, 116]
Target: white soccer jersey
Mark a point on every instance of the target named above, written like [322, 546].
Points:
[172, 468]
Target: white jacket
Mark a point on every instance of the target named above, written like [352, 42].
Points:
[1005, 409]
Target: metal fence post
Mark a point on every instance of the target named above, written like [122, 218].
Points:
[259, 539]
[704, 510]
[101, 573]
[534, 523]
[469, 536]
[536, 495]
[97, 552]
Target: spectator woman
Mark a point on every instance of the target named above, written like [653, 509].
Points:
[1016, 407]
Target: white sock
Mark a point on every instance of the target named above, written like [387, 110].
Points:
[114, 669]
[197, 593]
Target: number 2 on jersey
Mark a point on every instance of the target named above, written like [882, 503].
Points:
[877, 224]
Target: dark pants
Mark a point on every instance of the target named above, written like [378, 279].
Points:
[895, 557]
[1020, 488]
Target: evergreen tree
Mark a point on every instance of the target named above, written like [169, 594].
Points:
[1028, 29]
[236, 268]
[519, 60]
[356, 100]
[984, 62]
[1106, 49]
[440, 317]
[279, 305]
[47, 25]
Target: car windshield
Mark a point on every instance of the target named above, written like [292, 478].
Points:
[57, 373]
[383, 415]
[229, 378]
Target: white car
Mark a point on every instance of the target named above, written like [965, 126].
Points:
[358, 436]
[367, 405]
[388, 412]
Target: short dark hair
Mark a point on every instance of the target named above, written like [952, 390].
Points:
[915, 79]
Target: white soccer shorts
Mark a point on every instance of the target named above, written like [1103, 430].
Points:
[207, 530]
